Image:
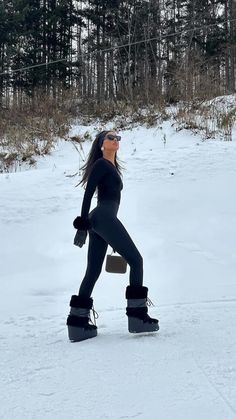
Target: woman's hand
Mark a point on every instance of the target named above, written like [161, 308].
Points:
[80, 238]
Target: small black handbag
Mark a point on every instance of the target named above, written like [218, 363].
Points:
[115, 264]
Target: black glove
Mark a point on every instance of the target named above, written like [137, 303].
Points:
[80, 238]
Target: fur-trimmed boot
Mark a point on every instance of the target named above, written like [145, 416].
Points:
[137, 311]
[78, 320]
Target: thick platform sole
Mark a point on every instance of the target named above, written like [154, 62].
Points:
[77, 334]
[136, 325]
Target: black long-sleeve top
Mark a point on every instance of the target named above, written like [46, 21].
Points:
[106, 178]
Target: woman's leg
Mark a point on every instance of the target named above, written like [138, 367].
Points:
[96, 253]
[110, 228]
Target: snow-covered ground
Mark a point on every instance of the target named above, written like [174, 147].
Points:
[179, 206]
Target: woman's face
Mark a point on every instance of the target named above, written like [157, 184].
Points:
[111, 144]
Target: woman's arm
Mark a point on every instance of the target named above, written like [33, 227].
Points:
[99, 169]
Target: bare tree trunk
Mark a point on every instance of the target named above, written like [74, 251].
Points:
[102, 58]
[130, 90]
[98, 60]
[232, 50]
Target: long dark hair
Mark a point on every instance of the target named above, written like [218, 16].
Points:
[94, 154]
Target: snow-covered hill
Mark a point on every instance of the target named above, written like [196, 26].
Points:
[179, 206]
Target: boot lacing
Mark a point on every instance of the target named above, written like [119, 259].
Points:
[95, 316]
[150, 303]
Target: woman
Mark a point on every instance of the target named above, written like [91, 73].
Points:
[103, 171]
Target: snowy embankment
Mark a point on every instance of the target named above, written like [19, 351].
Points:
[179, 206]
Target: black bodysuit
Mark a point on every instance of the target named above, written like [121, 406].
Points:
[106, 178]
[106, 228]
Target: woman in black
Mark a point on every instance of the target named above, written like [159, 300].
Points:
[102, 171]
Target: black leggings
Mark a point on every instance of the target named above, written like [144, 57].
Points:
[107, 229]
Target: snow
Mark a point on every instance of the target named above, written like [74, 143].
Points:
[178, 205]
[226, 102]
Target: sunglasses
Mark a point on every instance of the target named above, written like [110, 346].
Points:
[112, 137]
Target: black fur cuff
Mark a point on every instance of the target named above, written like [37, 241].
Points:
[81, 223]
[136, 291]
